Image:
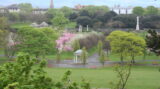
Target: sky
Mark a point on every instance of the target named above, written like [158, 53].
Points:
[72, 3]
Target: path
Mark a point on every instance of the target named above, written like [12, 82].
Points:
[93, 62]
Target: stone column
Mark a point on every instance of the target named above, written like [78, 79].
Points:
[137, 26]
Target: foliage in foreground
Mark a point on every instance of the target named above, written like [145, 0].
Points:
[123, 74]
[22, 74]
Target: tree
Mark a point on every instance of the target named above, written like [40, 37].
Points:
[102, 58]
[60, 21]
[22, 74]
[13, 17]
[73, 16]
[153, 41]
[115, 24]
[126, 44]
[129, 21]
[51, 13]
[37, 41]
[25, 7]
[100, 47]
[108, 16]
[151, 10]
[76, 45]
[3, 23]
[67, 11]
[124, 72]
[138, 11]
[84, 21]
[94, 9]
[84, 56]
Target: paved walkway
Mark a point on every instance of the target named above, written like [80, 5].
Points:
[93, 62]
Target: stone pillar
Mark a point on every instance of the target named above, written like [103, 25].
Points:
[87, 28]
[137, 26]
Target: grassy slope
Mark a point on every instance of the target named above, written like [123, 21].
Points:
[141, 77]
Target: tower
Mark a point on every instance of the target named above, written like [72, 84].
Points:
[51, 4]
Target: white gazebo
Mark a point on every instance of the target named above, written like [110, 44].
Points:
[77, 55]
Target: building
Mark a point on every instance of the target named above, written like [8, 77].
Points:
[3, 10]
[39, 11]
[13, 8]
[78, 7]
[122, 10]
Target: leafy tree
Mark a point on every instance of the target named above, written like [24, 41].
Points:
[115, 24]
[13, 17]
[73, 16]
[153, 41]
[84, 56]
[151, 21]
[108, 16]
[22, 74]
[25, 7]
[67, 11]
[3, 23]
[60, 21]
[3, 35]
[129, 21]
[138, 11]
[51, 13]
[84, 21]
[37, 41]
[76, 45]
[102, 58]
[100, 47]
[151, 10]
[126, 44]
[94, 9]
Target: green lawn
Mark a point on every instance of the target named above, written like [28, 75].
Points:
[113, 57]
[19, 25]
[70, 55]
[141, 77]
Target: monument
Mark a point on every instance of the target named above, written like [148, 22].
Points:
[137, 26]
[51, 4]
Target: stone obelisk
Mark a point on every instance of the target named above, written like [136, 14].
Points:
[51, 4]
[137, 26]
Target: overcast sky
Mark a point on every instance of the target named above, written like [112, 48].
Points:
[72, 3]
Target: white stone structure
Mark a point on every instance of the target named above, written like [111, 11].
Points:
[122, 10]
[39, 11]
[77, 55]
[137, 26]
[80, 28]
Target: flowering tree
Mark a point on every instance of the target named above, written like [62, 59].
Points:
[63, 43]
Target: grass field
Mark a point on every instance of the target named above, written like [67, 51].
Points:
[141, 77]
[19, 25]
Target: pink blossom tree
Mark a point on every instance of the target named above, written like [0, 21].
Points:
[63, 42]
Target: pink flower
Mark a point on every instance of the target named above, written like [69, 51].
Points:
[63, 40]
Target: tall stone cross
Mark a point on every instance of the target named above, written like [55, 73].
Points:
[137, 26]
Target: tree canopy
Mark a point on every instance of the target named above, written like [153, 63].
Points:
[37, 41]
[126, 44]
[138, 11]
